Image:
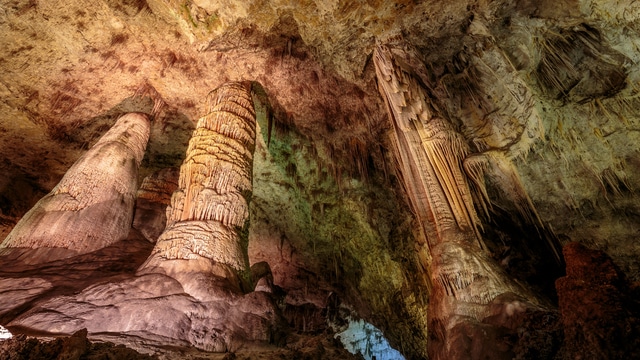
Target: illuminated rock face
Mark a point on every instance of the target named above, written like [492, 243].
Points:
[210, 208]
[431, 161]
[189, 291]
[92, 206]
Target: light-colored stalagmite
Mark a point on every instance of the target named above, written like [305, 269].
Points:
[209, 210]
[430, 156]
[92, 206]
[190, 290]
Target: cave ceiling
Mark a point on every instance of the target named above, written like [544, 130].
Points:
[69, 68]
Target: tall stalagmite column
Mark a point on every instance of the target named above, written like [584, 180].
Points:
[209, 211]
[92, 206]
[430, 156]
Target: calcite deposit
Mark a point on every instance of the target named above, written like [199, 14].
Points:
[421, 168]
[191, 284]
[92, 206]
[210, 209]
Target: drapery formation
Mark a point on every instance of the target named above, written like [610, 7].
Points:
[430, 158]
[429, 155]
[92, 206]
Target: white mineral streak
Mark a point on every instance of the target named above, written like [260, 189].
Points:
[210, 205]
[4, 333]
[430, 156]
[92, 206]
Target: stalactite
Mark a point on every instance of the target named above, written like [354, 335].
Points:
[475, 168]
[92, 206]
[438, 173]
[430, 154]
[211, 203]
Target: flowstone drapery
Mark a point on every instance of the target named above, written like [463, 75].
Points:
[430, 156]
[92, 206]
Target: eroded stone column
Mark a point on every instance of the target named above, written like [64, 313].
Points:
[430, 156]
[92, 206]
[209, 211]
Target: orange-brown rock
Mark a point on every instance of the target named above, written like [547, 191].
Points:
[154, 196]
[599, 314]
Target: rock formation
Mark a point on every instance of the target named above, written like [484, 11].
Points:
[154, 195]
[92, 206]
[599, 311]
[434, 213]
[192, 281]
[430, 156]
[209, 212]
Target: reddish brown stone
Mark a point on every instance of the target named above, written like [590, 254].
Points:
[599, 317]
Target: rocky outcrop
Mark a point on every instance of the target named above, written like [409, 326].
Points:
[73, 347]
[92, 206]
[599, 312]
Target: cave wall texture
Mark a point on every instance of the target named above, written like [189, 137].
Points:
[462, 175]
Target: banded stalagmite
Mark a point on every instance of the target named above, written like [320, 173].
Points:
[209, 210]
[92, 206]
[430, 156]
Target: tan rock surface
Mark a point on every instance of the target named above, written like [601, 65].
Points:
[92, 206]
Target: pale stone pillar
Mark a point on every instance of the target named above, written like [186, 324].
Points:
[92, 206]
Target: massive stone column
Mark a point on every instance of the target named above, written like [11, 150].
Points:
[430, 156]
[209, 212]
[92, 206]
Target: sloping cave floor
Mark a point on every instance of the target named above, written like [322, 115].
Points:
[28, 285]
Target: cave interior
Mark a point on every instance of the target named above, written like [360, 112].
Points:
[323, 179]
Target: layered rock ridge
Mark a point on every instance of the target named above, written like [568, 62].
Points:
[92, 206]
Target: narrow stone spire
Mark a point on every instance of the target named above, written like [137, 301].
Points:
[92, 206]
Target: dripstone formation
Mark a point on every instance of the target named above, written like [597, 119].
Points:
[192, 283]
[437, 179]
[92, 206]
[210, 209]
